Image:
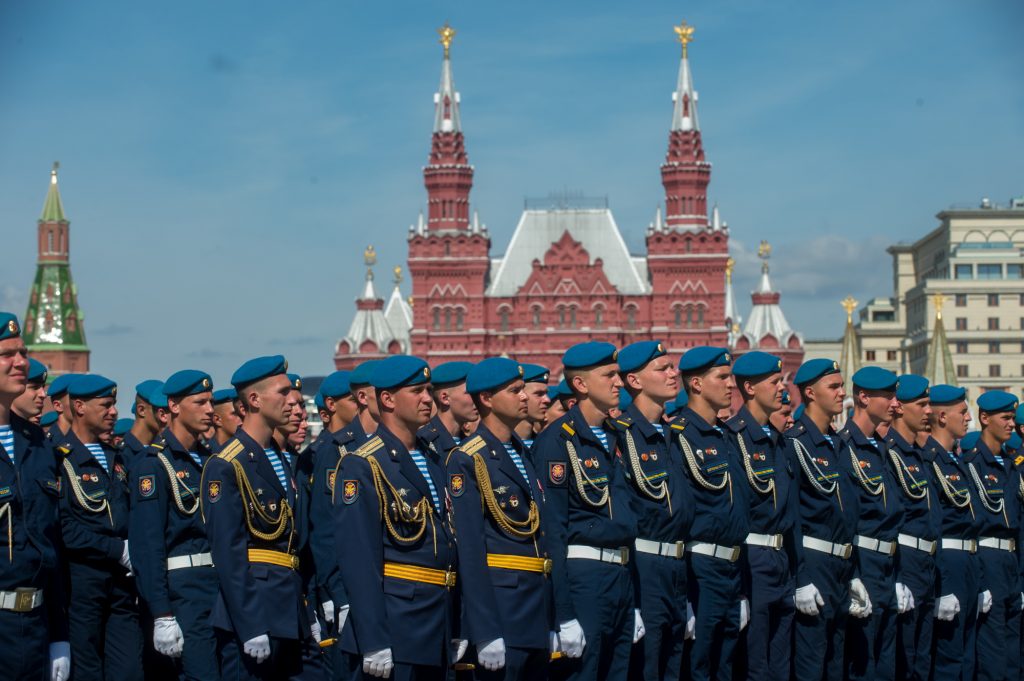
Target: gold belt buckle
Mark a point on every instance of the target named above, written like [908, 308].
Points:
[973, 544]
[847, 551]
[734, 555]
[23, 599]
[680, 549]
[546, 566]
[449, 578]
[892, 548]
[624, 552]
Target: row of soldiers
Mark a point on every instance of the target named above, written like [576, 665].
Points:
[471, 520]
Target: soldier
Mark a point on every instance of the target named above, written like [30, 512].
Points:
[995, 483]
[366, 396]
[29, 405]
[959, 568]
[395, 547]
[562, 400]
[537, 402]
[47, 420]
[721, 522]
[828, 589]
[148, 394]
[589, 523]
[226, 418]
[103, 618]
[33, 619]
[61, 403]
[454, 406]
[172, 561]
[919, 537]
[871, 640]
[770, 564]
[663, 505]
[250, 507]
[121, 428]
[497, 506]
[782, 420]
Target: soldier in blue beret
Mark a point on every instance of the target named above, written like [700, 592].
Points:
[250, 502]
[782, 420]
[721, 522]
[106, 641]
[226, 418]
[771, 543]
[996, 483]
[589, 523]
[871, 640]
[33, 616]
[366, 396]
[497, 505]
[61, 403]
[562, 400]
[828, 588]
[537, 402]
[48, 419]
[148, 394]
[121, 428]
[455, 409]
[663, 504]
[959, 568]
[918, 539]
[29, 405]
[399, 587]
[171, 555]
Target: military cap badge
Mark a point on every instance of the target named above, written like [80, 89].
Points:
[12, 326]
[146, 486]
[457, 483]
[213, 491]
[350, 491]
[556, 471]
[206, 383]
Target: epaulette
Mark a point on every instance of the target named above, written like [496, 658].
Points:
[679, 424]
[158, 444]
[232, 449]
[845, 435]
[568, 429]
[736, 425]
[472, 445]
[64, 449]
[370, 446]
[624, 421]
[1019, 460]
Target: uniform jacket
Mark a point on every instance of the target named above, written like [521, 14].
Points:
[435, 437]
[131, 450]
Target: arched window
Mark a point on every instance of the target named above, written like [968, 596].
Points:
[447, 248]
[561, 317]
[572, 317]
[599, 317]
[689, 316]
[536, 317]
[458, 319]
[49, 242]
[503, 313]
[630, 318]
[700, 317]
[677, 314]
[447, 319]
[437, 319]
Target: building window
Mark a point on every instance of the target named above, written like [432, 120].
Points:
[447, 319]
[993, 371]
[890, 355]
[689, 316]
[963, 272]
[631, 317]
[504, 320]
[561, 317]
[961, 300]
[1015, 271]
[961, 348]
[990, 271]
[536, 317]
[599, 317]
[993, 348]
[447, 248]
[869, 355]
[993, 300]
[572, 317]
[993, 323]
[458, 319]
[961, 323]
[961, 371]
[437, 319]
[700, 317]
[678, 314]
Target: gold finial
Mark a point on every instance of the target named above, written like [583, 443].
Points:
[447, 33]
[684, 34]
[53, 173]
[764, 251]
[398, 274]
[729, 265]
[938, 300]
[369, 256]
[409, 300]
[849, 304]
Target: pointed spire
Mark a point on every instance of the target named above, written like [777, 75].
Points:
[684, 114]
[53, 209]
[732, 315]
[766, 316]
[446, 100]
[716, 219]
[398, 312]
[370, 259]
[849, 355]
[940, 361]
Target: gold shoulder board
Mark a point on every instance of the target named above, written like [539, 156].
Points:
[231, 450]
[370, 446]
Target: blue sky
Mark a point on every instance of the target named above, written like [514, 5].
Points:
[225, 164]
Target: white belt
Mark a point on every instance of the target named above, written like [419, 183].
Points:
[919, 544]
[877, 545]
[968, 545]
[194, 560]
[21, 600]
[619, 556]
[772, 541]
[729, 553]
[668, 549]
[843, 551]
[997, 543]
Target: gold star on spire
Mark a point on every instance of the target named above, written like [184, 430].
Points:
[849, 304]
[684, 34]
[398, 274]
[447, 33]
[369, 256]
[938, 300]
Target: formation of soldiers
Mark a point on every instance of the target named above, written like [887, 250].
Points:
[469, 521]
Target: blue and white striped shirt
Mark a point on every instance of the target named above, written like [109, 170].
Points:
[7, 440]
[421, 464]
[518, 461]
[278, 465]
[97, 452]
[600, 435]
[198, 459]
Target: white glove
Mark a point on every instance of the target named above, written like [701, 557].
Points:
[328, 608]
[459, 646]
[379, 664]
[492, 655]
[554, 644]
[860, 602]
[126, 559]
[947, 607]
[1022, 600]
[571, 638]
[60, 661]
[807, 600]
[258, 648]
[744, 613]
[167, 637]
[984, 601]
[904, 599]
[342, 617]
[314, 629]
[691, 623]
[638, 625]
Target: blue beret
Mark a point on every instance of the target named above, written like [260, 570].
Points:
[756, 363]
[225, 395]
[1018, 418]
[813, 369]
[450, 373]
[36, 371]
[673, 407]
[492, 373]
[362, 374]
[535, 373]
[995, 401]
[875, 378]
[87, 386]
[122, 426]
[187, 382]
[947, 394]
[149, 390]
[624, 400]
[9, 327]
[970, 440]
[318, 400]
[1014, 443]
[560, 391]
[60, 384]
[48, 419]
[296, 381]
[258, 369]
[702, 358]
[635, 355]
[399, 371]
[911, 387]
[798, 412]
[786, 397]
[589, 354]
[336, 385]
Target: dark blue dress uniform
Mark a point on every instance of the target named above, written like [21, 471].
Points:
[435, 438]
[720, 526]
[827, 526]
[958, 564]
[397, 557]
[662, 502]
[590, 529]
[770, 566]
[915, 556]
[171, 555]
[253, 525]
[503, 560]
[32, 603]
[132, 449]
[106, 641]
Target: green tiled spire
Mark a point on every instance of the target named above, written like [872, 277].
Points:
[53, 209]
